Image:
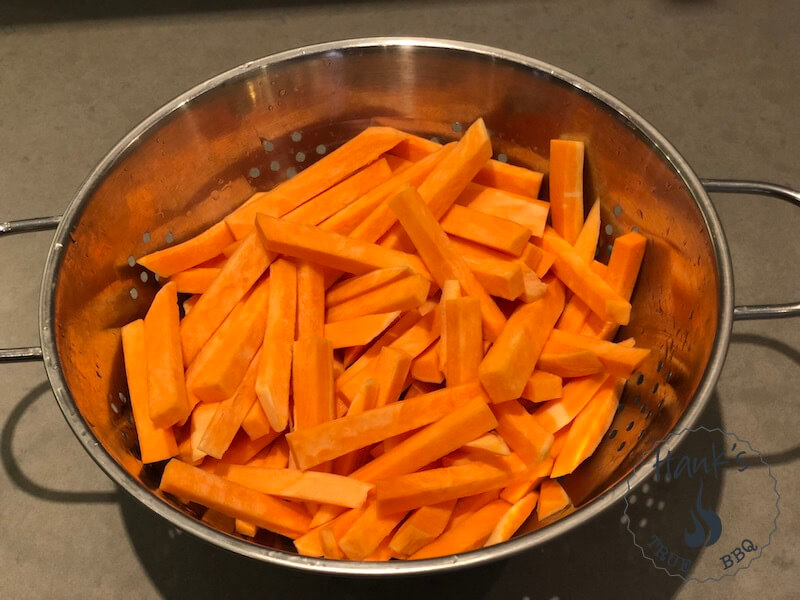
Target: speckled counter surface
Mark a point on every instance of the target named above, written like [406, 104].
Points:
[720, 79]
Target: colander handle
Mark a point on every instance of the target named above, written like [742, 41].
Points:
[25, 226]
[731, 186]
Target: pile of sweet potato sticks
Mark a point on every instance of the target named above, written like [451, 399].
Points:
[393, 354]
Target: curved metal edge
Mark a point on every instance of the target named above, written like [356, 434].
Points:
[762, 188]
[505, 550]
[30, 353]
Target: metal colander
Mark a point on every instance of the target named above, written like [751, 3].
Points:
[204, 153]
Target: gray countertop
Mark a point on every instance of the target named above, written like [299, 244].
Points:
[720, 79]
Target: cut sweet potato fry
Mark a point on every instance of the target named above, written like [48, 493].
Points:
[503, 279]
[229, 415]
[368, 531]
[566, 187]
[569, 362]
[275, 365]
[243, 449]
[432, 442]
[617, 359]
[166, 387]
[219, 367]
[489, 230]
[330, 547]
[310, 300]
[238, 275]
[490, 442]
[439, 256]
[584, 282]
[300, 485]
[228, 251]
[463, 349]
[329, 202]
[469, 505]
[558, 442]
[533, 288]
[355, 359]
[391, 371]
[537, 259]
[552, 499]
[276, 456]
[410, 491]
[542, 386]
[186, 481]
[192, 252]
[310, 544]
[527, 212]
[522, 432]
[516, 491]
[586, 242]
[155, 443]
[365, 400]
[359, 330]
[326, 172]
[555, 414]
[329, 440]
[312, 377]
[513, 519]
[469, 535]
[451, 289]
[189, 445]
[356, 286]
[425, 367]
[404, 294]
[255, 422]
[508, 364]
[420, 388]
[331, 249]
[245, 528]
[220, 521]
[588, 428]
[195, 280]
[425, 525]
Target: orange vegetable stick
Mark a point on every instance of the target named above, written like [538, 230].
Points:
[189, 303]
[310, 300]
[490, 442]
[189, 446]
[421, 528]
[155, 443]
[586, 242]
[229, 415]
[516, 491]
[404, 294]
[322, 206]
[327, 441]
[569, 362]
[425, 367]
[513, 519]
[300, 485]
[391, 372]
[552, 499]
[469, 535]
[469, 505]
[330, 547]
[217, 371]
[331, 249]
[166, 388]
[522, 432]
[312, 377]
[463, 350]
[275, 365]
[310, 543]
[434, 441]
[243, 449]
[359, 330]
[355, 359]
[228, 250]
[566, 187]
[186, 481]
[217, 520]
[577, 311]
[238, 275]
[508, 364]
[326, 172]
[497, 277]
[356, 286]
[482, 228]
[618, 359]
[441, 258]
[195, 280]
[192, 252]
[368, 531]
[275, 456]
[558, 441]
[524, 211]
[347, 219]
[446, 181]
[542, 386]
[255, 423]
[584, 282]
[533, 287]
[451, 289]
[537, 259]
[588, 428]
[406, 492]
[623, 270]
[245, 528]
[555, 414]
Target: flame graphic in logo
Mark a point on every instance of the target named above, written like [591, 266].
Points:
[706, 532]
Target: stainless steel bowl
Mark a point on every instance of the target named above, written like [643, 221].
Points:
[197, 157]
